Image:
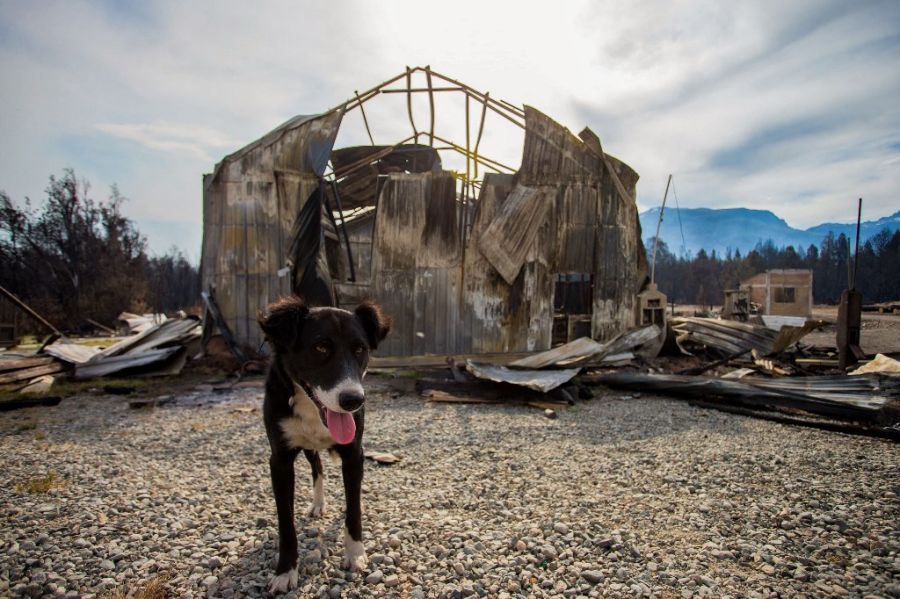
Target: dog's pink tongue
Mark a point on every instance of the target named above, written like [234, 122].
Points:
[341, 426]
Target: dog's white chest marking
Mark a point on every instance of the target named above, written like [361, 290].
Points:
[304, 430]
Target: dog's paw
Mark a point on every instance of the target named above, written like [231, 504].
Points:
[318, 504]
[316, 509]
[282, 583]
[354, 555]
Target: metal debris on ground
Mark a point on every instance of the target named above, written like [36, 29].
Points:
[870, 401]
[537, 380]
[695, 334]
[542, 380]
[159, 350]
[585, 351]
[138, 323]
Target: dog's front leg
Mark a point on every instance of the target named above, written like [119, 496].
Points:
[318, 476]
[282, 469]
[352, 470]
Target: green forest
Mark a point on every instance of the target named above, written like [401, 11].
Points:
[702, 279]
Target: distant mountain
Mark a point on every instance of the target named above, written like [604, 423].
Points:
[743, 228]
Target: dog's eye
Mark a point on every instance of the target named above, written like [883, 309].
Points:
[358, 349]
[322, 348]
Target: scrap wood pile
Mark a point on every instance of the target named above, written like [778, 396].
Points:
[162, 349]
[741, 367]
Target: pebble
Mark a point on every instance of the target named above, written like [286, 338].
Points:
[591, 509]
[375, 577]
[593, 576]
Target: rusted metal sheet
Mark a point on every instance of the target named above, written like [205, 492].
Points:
[438, 284]
[621, 265]
[394, 290]
[171, 332]
[537, 380]
[250, 204]
[128, 361]
[487, 299]
[399, 222]
[358, 168]
[577, 217]
[417, 258]
[536, 307]
[573, 352]
[553, 155]
[857, 398]
[71, 353]
[585, 350]
[506, 241]
[732, 337]
[360, 233]
[438, 293]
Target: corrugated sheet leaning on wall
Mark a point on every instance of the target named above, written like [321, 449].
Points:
[459, 273]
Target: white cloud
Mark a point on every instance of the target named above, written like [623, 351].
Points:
[151, 95]
[169, 137]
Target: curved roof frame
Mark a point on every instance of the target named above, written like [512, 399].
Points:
[435, 83]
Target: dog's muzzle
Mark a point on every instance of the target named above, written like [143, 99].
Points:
[350, 401]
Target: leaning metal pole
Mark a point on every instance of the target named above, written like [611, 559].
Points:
[658, 224]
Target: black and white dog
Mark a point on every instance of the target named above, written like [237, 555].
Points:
[314, 401]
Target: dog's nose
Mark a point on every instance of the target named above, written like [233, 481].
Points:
[350, 401]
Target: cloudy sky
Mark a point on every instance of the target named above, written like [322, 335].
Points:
[788, 106]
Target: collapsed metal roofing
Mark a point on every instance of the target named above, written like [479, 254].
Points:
[480, 258]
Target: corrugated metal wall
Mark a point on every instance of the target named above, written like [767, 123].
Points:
[249, 206]
[488, 302]
[416, 260]
[444, 292]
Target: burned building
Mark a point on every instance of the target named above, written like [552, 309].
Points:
[781, 292]
[475, 259]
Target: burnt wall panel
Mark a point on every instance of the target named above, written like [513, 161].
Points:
[553, 155]
[577, 217]
[437, 319]
[360, 233]
[249, 210]
[394, 290]
[399, 222]
[416, 254]
[512, 232]
[620, 263]
[487, 299]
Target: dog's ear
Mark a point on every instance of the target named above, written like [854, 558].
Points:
[282, 321]
[375, 323]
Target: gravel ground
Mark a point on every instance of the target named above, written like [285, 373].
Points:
[619, 496]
